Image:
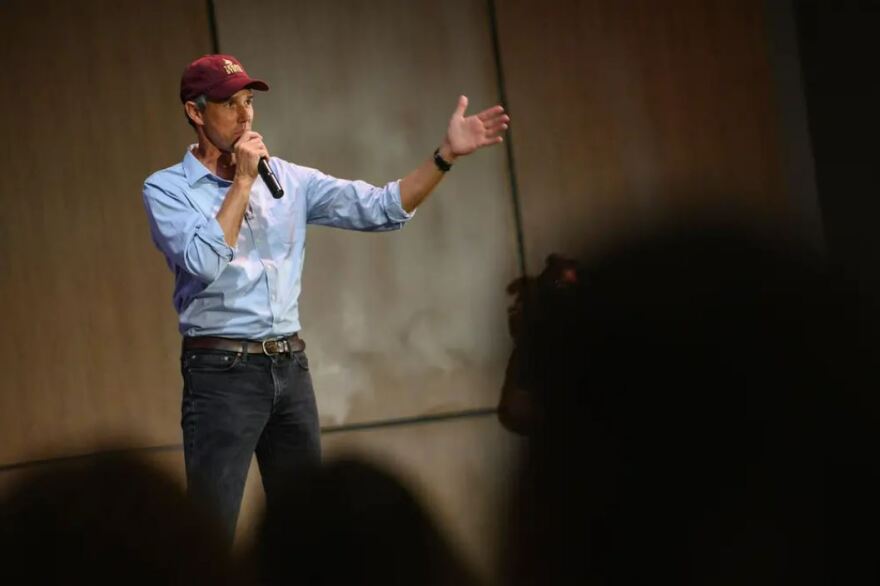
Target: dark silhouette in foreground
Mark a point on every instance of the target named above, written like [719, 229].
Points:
[710, 417]
[349, 522]
[107, 520]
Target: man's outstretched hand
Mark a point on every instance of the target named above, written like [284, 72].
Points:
[466, 134]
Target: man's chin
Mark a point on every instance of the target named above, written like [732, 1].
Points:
[228, 146]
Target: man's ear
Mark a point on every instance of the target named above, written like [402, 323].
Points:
[194, 114]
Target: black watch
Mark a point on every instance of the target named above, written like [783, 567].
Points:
[441, 163]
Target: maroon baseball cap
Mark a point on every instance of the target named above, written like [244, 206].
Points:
[217, 77]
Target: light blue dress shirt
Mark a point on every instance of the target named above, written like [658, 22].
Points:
[252, 290]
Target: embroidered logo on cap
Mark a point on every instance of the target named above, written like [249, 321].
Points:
[229, 67]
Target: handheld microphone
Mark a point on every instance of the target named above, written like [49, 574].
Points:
[269, 178]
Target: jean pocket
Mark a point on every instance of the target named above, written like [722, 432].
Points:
[210, 360]
[301, 359]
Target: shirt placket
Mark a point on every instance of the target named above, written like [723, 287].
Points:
[258, 226]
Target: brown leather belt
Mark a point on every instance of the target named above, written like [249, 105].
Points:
[268, 347]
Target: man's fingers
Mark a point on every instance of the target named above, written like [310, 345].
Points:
[250, 149]
[490, 113]
[492, 131]
[247, 137]
[254, 152]
[490, 140]
[492, 136]
[248, 142]
[251, 143]
[496, 121]
[496, 125]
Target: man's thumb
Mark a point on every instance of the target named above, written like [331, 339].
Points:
[462, 105]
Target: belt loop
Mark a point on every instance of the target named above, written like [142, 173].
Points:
[289, 347]
[244, 352]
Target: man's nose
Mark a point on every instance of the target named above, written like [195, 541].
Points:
[244, 113]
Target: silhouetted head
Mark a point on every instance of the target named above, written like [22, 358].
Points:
[351, 523]
[106, 520]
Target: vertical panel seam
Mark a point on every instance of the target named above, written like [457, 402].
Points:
[508, 141]
[212, 26]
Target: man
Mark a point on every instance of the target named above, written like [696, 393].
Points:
[520, 408]
[237, 253]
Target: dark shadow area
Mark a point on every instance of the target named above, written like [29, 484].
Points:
[710, 417]
[838, 50]
[110, 520]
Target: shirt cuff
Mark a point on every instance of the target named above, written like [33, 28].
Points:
[395, 210]
[213, 236]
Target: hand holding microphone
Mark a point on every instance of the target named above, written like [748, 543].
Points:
[252, 158]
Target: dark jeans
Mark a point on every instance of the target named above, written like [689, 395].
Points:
[235, 404]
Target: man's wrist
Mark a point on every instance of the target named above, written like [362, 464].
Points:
[243, 181]
[443, 159]
[445, 152]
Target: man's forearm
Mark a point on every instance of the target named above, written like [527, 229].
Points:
[422, 180]
[232, 211]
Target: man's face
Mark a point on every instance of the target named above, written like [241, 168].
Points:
[225, 121]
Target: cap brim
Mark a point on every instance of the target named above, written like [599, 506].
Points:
[234, 84]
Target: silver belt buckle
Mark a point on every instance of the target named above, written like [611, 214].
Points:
[281, 345]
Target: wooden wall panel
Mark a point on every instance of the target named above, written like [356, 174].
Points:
[622, 110]
[411, 322]
[628, 110]
[88, 351]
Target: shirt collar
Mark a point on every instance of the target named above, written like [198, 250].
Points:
[195, 170]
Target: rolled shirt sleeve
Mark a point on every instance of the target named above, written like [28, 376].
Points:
[188, 239]
[354, 205]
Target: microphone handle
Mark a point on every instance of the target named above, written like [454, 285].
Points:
[269, 178]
